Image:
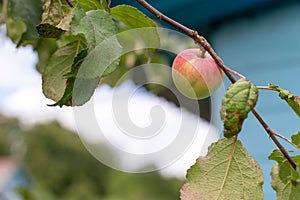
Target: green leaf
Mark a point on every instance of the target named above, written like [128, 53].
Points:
[239, 100]
[104, 48]
[57, 13]
[30, 13]
[97, 26]
[45, 47]
[83, 90]
[131, 17]
[49, 31]
[79, 13]
[296, 159]
[102, 60]
[227, 172]
[60, 62]
[71, 76]
[15, 29]
[86, 87]
[296, 139]
[142, 31]
[285, 180]
[293, 101]
[76, 64]
[287, 173]
[277, 156]
[92, 5]
[56, 18]
[284, 191]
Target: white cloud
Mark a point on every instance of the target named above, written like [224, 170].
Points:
[16, 65]
[29, 105]
[124, 115]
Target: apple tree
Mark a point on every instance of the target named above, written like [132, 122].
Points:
[81, 43]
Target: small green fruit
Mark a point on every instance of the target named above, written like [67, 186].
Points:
[196, 74]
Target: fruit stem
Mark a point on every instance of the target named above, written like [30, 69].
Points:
[201, 53]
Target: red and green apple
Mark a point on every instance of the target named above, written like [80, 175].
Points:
[196, 74]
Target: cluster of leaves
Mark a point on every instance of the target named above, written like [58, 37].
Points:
[78, 42]
[286, 180]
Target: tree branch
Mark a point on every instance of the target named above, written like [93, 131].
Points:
[200, 40]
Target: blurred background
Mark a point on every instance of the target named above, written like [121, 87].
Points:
[40, 156]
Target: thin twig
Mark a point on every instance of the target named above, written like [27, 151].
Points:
[70, 3]
[272, 136]
[206, 46]
[286, 139]
[274, 133]
[266, 88]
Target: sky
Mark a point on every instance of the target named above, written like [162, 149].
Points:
[21, 96]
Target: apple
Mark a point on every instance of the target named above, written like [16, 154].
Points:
[196, 74]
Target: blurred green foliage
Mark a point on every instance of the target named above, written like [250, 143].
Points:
[61, 168]
[9, 131]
